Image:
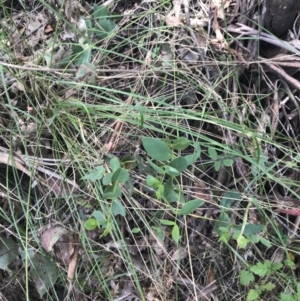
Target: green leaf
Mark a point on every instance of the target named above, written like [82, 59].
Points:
[114, 163]
[107, 179]
[252, 295]
[100, 11]
[155, 167]
[169, 194]
[224, 237]
[222, 221]
[95, 175]
[242, 242]
[212, 153]
[265, 242]
[229, 197]
[246, 277]
[167, 222]
[267, 287]
[118, 208]
[121, 175]
[159, 233]
[261, 269]
[181, 143]
[253, 238]
[171, 171]
[286, 297]
[157, 149]
[297, 158]
[129, 188]
[79, 55]
[90, 224]
[44, 273]
[291, 264]
[100, 218]
[85, 68]
[249, 229]
[135, 230]
[160, 191]
[153, 182]
[190, 206]
[180, 164]
[217, 165]
[277, 266]
[227, 162]
[105, 27]
[8, 252]
[175, 233]
[191, 159]
[112, 192]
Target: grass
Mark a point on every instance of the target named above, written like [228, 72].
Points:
[61, 120]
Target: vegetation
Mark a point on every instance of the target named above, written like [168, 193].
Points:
[149, 151]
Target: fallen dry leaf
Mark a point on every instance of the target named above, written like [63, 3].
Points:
[51, 236]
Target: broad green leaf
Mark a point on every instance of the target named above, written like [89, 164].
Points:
[84, 69]
[222, 221]
[80, 55]
[159, 233]
[157, 149]
[277, 266]
[153, 182]
[181, 143]
[286, 297]
[224, 237]
[242, 242]
[100, 218]
[175, 233]
[253, 238]
[229, 197]
[107, 179]
[180, 164]
[129, 187]
[160, 191]
[118, 208]
[213, 153]
[191, 159]
[155, 167]
[249, 229]
[291, 264]
[267, 286]
[107, 25]
[103, 28]
[171, 171]
[135, 230]
[95, 175]
[252, 295]
[246, 277]
[44, 273]
[114, 163]
[112, 192]
[100, 11]
[121, 175]
[167, 222]
[265, 242]
[8, 252]
[90, 224]
[227, 162]
[217, 165]
[297, 158]
[261, 269]
[169, 194]
[190, 206]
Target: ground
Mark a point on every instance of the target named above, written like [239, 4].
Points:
[148, 151]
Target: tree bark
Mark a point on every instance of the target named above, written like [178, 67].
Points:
[280, 15]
